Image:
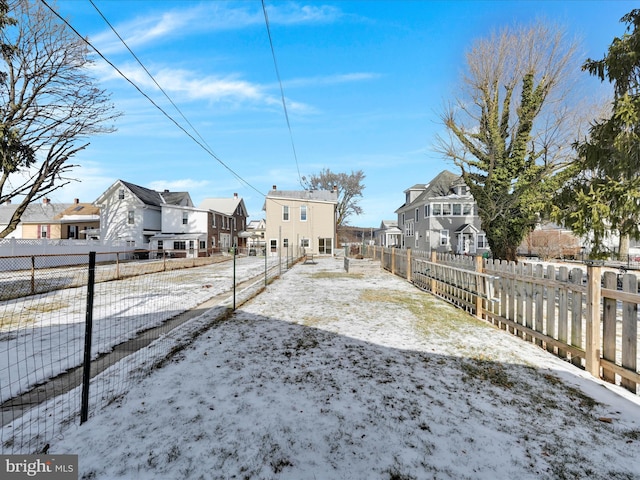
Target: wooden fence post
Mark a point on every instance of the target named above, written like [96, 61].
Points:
[480, 287]
[408, 264]
[434, 283]
[592, 347]
[393, 261]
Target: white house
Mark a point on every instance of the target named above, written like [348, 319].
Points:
[133, 214]
[184, 232]
[388, 235]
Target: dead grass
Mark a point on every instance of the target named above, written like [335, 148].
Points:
[335, 275]
[29, 314]
[434, 317]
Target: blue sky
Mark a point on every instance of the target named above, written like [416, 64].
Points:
[364, 83]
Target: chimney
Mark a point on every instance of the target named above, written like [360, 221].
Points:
[274, 187]
[8, 202]
[45, 201]
[335, 188]
[235, 195]
[166, 191]
[76, 201]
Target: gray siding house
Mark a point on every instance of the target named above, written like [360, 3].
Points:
[441, 215]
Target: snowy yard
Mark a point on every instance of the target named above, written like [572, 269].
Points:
[334, 376]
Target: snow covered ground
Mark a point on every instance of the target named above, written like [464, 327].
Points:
[332, 376]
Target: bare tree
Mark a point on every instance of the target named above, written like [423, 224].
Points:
[512, 125]
[49, 106]
[349, 187]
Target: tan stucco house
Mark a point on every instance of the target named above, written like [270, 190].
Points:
[300, 221]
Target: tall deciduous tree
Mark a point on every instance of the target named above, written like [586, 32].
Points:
[604, 194]
[49, 104]
[509, 127]
[349, 188]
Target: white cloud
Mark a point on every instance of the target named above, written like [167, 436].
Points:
[331, 79]
[164, 26]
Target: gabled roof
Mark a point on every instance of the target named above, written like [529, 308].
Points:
[440, 186]
[227, 206]
[157, 199]
[256, 224]
[388, 224]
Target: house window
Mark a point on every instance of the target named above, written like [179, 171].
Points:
[213, 221]
[467, 208]
[191, 244]
[185, 218]
[130, 217]
[409, 228]
[273, 245]
[43, 231]
[121, 194]
[179, 245]
[446, 209]
[285, 213]
[416, 242]
[160, 244]
[285, 243]
[325, 246]
[416, 215]
[72, 231]
[481, 240]
[303, 213]
[426, 211]
[403, 218]
[213, 242]
[304, 243]
[437, 209]
[457, 209]
[444, 237]
[203, 245]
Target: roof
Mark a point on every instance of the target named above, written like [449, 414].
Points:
[311, 195]
[227, 206]
[35, 212]
[156, 199]
[440, 186]
[467, 227]
[79, 209]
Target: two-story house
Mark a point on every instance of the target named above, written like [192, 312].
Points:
[184, 232]
[441, 215]
[300, 221]
[133, 214]
[53, 221]
[229, 222]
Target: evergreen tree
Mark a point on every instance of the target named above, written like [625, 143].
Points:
[602, 195]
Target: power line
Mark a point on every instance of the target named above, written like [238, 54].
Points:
[200, 144]
[148, 73]
[284, 103]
